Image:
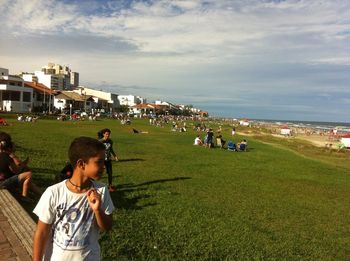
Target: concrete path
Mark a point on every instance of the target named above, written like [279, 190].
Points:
[16, 229]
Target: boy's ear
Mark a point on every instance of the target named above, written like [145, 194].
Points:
[80, 163]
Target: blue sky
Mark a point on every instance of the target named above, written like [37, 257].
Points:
[240, 58]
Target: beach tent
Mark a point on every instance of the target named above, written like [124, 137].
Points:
[285, 130]
[244, 122]
[346, 140]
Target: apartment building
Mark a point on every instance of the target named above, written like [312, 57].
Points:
[14, 96]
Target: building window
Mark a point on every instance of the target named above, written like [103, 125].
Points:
[11, 96]
[26, 96]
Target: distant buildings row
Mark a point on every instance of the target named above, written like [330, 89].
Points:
[56, 89]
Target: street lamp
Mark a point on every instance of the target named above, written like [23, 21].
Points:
[85, 101]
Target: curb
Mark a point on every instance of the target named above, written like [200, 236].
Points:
[20, 221]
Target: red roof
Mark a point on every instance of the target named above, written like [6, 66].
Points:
[39, 87]
[346, 136]
[142, 106]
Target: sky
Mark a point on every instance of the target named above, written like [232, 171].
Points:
[258, 59]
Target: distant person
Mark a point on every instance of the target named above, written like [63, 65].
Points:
[198, 141]
[13, 171]
[109, 155]
[243, 145]
[233, 131]
[3, 122]
[209, 142]
[135, 131]
[231, 146]
[220, 141]
[72, 212]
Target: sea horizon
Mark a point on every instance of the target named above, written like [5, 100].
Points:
[325, 125]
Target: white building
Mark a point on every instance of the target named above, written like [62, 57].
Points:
[54, 76]
[13, 95]
[50, 80]
[74, 79]
[103, 100]
[130, 100]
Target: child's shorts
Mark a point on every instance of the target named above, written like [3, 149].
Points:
[9, 182]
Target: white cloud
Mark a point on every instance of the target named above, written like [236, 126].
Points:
[180, 47]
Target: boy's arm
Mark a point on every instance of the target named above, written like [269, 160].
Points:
[103, 220]
[41, 237]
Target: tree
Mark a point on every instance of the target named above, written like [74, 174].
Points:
[123, 109]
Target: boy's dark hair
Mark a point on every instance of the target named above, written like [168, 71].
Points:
[101, 132]
[5, 141]
[84, 148]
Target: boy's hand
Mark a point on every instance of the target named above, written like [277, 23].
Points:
[94, 199]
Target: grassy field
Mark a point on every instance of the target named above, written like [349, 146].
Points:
[176, 201]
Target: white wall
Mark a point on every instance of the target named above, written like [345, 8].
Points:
[59, 103]
[128, 100]
[44, 78]
[4, 71]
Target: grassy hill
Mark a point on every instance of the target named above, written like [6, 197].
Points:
[176, 201]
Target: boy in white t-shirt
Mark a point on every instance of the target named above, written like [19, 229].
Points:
[72, 212]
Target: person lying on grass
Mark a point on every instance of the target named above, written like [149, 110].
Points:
[135, 131]
[72, 212]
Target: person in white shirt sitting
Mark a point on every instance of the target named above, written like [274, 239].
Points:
[198, 141]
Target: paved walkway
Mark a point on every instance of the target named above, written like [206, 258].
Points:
[16, 230]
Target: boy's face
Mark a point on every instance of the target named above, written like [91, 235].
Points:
[95, 166]
[106, 135]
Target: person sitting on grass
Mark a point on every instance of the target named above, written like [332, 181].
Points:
[231, 146]
[220, 141]
[13, 171]
[72, 212]
[243, 145]
[109, 152]
[3, 122]
[198, 141]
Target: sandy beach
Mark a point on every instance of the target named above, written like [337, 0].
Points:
[316, 138]
[320, 141]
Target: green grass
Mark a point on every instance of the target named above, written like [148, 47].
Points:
[176, 201]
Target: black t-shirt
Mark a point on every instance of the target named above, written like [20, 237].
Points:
[5, 162]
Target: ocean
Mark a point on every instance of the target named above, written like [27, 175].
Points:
[343, 127]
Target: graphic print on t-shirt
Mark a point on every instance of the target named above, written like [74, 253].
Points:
[73, 225]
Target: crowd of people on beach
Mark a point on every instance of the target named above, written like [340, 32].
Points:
[208, 141]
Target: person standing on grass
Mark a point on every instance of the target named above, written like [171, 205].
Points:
[13, 171]
[72, 212]
[109, 155]
[233, 131]
[210, 134]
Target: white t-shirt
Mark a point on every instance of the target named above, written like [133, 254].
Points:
[197, 141]
[75, 232]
